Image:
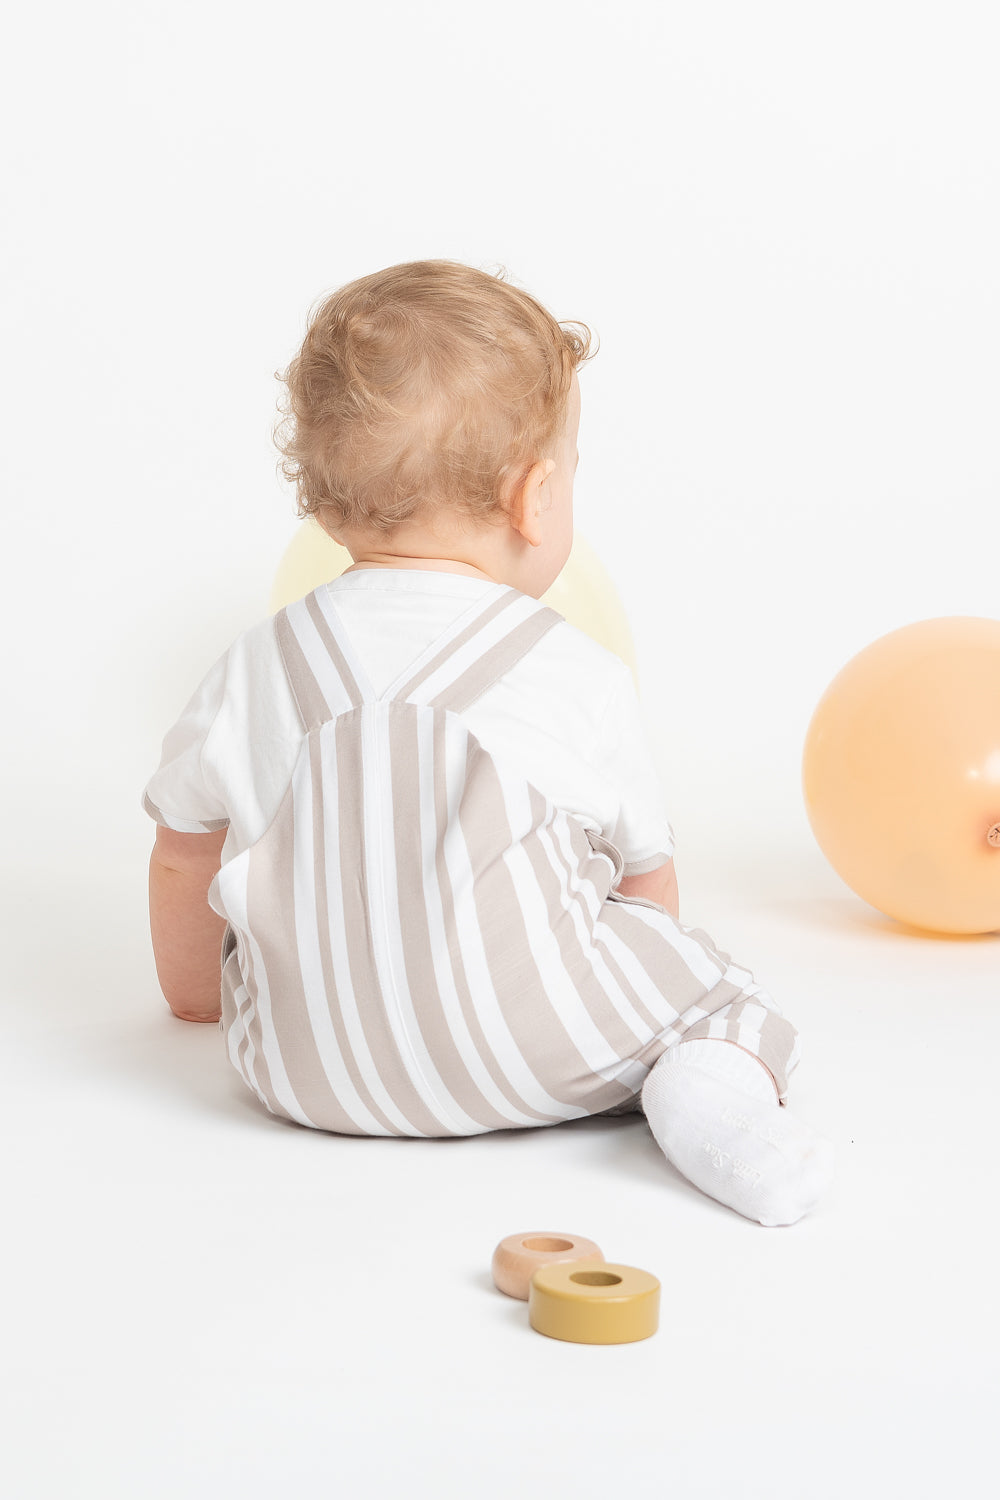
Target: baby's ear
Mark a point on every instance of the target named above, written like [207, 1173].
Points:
[527, 502]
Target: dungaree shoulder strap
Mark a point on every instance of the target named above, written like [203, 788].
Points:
[503, 627]
[473, 652]
[324, 678]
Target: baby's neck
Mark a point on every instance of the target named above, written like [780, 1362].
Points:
[428, 564]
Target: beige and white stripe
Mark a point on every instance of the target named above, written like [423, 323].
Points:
[422, 944]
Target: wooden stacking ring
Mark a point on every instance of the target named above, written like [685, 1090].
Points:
[519, 1256]
[605, 1304]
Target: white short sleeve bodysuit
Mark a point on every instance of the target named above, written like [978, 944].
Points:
[566, 715]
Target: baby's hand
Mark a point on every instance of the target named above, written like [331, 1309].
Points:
[658, 885]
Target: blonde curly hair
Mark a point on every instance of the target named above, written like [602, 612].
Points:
[424, 386]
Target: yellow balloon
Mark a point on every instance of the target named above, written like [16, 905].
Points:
[901, 775]
[583, 592]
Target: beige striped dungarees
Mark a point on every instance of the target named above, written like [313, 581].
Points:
[421, 944]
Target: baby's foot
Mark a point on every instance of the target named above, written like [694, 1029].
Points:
[714, 1112]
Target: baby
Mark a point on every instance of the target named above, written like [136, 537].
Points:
[414, 814]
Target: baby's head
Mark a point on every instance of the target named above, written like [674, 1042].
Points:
[425, 398]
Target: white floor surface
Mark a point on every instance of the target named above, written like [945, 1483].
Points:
[203, 1301]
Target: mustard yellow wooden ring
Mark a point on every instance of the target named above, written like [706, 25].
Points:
[606, 1304]
[519, 1256]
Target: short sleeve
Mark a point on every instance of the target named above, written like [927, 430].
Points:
[642, 833]
[179, 795]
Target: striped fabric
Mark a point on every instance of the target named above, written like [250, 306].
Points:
[422, 944]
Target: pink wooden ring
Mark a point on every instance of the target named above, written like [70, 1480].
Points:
[519, 1256]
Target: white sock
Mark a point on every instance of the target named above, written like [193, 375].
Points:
[713, 1109]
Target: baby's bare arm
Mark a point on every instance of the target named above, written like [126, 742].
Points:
[658, 885]
[186, 932]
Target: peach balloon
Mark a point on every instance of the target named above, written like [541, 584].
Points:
[901, 775]
[583, 592]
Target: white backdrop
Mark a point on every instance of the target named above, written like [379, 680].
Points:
[782, 220]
